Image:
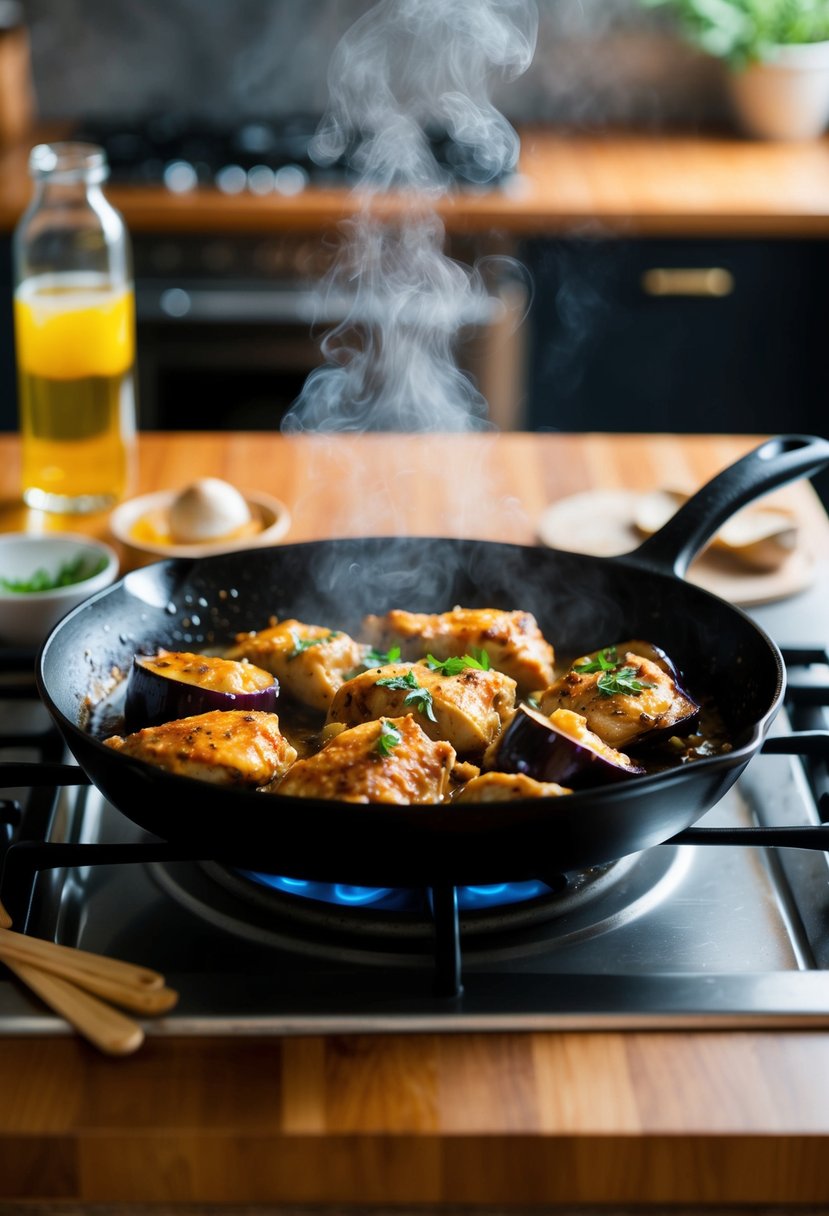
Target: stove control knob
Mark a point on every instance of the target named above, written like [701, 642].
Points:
[180, 177]
[290, 180]
[175, 302]
[261, 179]
[231, 179]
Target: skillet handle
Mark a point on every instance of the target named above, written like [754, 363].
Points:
[13, 773]
[774, 463]
[803, 836]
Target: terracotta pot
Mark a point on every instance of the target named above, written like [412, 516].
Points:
[785, 96]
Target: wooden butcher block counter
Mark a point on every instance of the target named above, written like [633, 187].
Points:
[706, 1119]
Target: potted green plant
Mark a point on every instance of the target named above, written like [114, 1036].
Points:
[777, 53]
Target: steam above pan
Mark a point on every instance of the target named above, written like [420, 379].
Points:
[403, 70]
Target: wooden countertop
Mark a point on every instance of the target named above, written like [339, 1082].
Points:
[489, 1120]
[388, 484]
[618, 182]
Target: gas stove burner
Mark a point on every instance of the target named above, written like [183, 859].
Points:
[408, 914]
[399, 929]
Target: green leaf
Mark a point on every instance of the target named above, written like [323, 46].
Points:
[740, 31]
[421, 699]
[77, 570]
[399, 683]
[455, 665]
[381, 658]
[623, 681]
[388, 738]
[605, 660]
[417, 696]
[303, 644]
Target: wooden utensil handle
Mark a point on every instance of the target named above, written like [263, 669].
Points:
[107, 1029]
[39, 952]
[148, 1001]
[5, 919]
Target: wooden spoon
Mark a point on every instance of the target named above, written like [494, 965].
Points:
[149, 1001]
[5, 919]
[40, 953]
[106, 1028]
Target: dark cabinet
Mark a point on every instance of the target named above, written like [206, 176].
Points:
[679, 335]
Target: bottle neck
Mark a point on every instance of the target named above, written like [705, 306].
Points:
[70, 227]
[56, 192]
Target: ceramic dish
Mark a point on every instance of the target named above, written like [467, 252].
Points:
[604, 523]
[140, 524]
[27, 617]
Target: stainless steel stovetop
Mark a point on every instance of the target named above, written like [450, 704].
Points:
[678, 936]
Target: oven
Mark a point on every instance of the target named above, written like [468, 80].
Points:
[681, 935]
[229, 327]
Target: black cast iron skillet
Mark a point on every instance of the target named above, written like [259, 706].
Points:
[581, 603]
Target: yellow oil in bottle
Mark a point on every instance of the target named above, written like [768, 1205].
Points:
[75, 348]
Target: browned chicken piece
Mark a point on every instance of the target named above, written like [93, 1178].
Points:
[507, 787]
[227, 747]
[467, 708]
[391, 760]
[310, 661]
[621, 718]
[512, 640]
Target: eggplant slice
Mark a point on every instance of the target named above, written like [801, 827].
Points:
[177, 684]
[560, 749]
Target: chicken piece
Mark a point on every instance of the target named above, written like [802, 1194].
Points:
[622, 705]
[227, 747]
[467, 708]
[310, 661]
[390, 760]
[512, 640]
[508, 787]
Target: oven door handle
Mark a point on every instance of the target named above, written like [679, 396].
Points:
[237, 305]
[229, 305]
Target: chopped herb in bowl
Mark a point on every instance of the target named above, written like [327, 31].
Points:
[77, 570]
[42, 577]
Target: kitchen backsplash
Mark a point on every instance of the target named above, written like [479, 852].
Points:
[598, 61]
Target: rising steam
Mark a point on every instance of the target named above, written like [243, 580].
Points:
[404, 69]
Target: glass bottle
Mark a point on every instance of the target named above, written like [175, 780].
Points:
[74, 310]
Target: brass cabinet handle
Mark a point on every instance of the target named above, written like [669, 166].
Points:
[711, 281]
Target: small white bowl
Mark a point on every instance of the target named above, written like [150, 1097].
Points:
[273, 514]
[27, 617]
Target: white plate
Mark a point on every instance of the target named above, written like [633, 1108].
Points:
[275, 517]
[602, 523]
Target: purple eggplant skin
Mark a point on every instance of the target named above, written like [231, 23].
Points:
[536, 746]
[152, 699]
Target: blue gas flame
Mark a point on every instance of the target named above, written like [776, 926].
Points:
[398, 899]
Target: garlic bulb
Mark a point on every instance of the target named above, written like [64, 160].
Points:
[207, 510]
